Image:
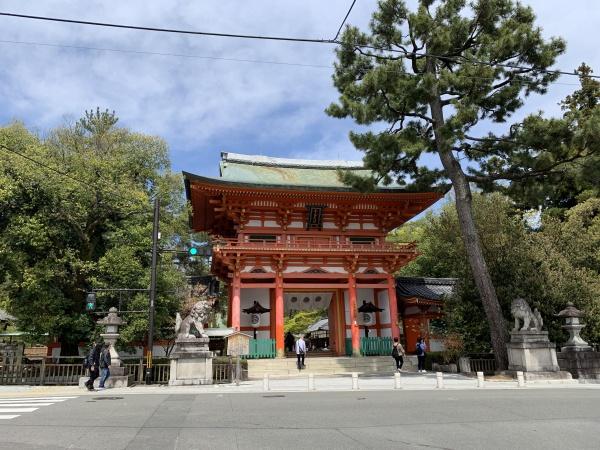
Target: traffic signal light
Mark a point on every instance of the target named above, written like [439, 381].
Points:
[193, 251]
[90, 301]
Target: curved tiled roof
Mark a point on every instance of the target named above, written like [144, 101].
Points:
[423, 287]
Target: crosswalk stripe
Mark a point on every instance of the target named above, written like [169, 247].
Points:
[15, 405]
[8, 416]
[31, 401]
[19, 399]
[15, 410]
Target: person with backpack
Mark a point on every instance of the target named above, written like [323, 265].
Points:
[92, 362]
[398, 354]
[420, 350]
[104, 365]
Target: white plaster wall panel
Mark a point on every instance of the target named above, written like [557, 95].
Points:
[260, 334]
[353, 226]
[247, 297]
[271, 224]
[346, 307]
[254, 223]
[369, 226]
[296, 224]
[364, 294]
[385, 332]
[329, 226]
[291, 269]
[384, 303]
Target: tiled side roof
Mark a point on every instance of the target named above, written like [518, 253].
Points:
[428, 288]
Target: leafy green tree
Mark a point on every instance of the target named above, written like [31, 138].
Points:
[301, 320]
[430, 80]
[84, 220]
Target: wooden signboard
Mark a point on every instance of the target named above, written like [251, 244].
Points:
[238, 344]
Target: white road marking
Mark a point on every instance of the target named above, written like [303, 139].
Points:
[25, 399]
[25, 405]
[16, 405]
[15, 410]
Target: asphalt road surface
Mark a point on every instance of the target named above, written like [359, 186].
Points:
[467, 419]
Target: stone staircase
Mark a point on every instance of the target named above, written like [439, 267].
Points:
[286, 367]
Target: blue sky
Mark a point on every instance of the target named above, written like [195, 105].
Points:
[203, 106]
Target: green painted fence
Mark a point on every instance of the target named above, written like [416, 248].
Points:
[262, 348]
[372, 346]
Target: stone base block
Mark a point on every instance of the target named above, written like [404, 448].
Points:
[191, 371]
[584, 365]
[540, 376]
[117, 381]
[531, 351]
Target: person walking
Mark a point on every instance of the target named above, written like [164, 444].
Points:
[398, 354]
[104, 365]
[421, 347]
[300, 348]
[93, 363]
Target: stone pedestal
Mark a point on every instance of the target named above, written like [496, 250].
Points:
[530, 352]
[191, 362]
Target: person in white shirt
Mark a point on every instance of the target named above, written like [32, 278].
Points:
[300, 348]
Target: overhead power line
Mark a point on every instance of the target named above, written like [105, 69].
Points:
[457, 60]
[243, 60]
[178, 55]
[344, 21]
[170, 30]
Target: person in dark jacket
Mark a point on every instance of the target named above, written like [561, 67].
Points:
[104, 365]
[420, 350]
[94, 365]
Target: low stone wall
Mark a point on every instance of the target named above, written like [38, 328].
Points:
[581, 365]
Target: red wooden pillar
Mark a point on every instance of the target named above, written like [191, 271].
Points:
[393, 301]
[279, 315]
[353, 319]
[235, 302]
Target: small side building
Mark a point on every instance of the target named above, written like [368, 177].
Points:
[421, 300]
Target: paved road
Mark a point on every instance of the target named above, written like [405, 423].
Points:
[334, 420]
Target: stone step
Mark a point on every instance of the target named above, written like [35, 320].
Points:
[257, 368]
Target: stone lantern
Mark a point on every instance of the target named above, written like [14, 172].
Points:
[573, 326]
[112, 322]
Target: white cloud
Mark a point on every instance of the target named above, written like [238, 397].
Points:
[202, 106]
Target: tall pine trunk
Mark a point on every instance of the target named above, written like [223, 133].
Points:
[469, 234]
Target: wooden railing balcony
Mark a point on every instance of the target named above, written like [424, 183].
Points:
[317, 246]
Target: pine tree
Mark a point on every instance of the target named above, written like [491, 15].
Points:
[431, 76]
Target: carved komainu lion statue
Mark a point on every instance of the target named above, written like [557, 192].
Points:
[532, 320]
[198, 315]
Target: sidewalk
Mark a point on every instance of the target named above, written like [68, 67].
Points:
[408, 381]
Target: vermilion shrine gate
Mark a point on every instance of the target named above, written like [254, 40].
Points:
[290, 236]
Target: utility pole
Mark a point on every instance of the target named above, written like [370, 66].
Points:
[152, 292]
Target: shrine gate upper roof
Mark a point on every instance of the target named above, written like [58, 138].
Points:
[266, 170]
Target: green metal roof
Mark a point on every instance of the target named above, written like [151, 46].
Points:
[257, 169]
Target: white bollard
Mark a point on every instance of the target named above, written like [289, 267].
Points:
[439, 376]
[480, 379]
[266, 382]
[397, 381]
[520, 379]
[311, 381]
[354, 381]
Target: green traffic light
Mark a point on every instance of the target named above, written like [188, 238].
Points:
[193, 251]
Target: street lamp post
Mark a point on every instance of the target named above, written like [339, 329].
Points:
[150, 345]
